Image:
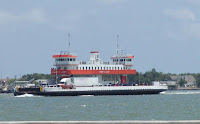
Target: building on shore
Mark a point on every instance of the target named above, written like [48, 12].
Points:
[191, 81]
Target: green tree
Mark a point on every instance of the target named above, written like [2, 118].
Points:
[197, 77]
[182, 82]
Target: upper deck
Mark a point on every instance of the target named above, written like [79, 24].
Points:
[67, 64]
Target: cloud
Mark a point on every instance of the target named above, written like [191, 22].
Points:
[35, 15]
[181, 14]
[187, 25]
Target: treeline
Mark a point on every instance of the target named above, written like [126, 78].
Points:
[139, 78]
[153, 75]
[148, 77]
[36, 76]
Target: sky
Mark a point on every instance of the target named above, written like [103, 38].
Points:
[164, 34]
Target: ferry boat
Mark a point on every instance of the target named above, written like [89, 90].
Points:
[94, 77]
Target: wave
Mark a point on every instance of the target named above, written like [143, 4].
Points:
[179, 92]
[86, 95]
[27, 95]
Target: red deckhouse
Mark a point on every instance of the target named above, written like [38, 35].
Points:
[67, 65]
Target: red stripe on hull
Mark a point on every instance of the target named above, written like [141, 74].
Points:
[91, 72]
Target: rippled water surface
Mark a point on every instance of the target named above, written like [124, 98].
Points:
[169, 105]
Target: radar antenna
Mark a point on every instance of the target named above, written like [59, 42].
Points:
[68, 43]
[118, 48]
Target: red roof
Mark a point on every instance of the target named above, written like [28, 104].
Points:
[130, 57]
[69, 56]
[94, 52]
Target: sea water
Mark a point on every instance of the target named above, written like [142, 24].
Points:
[169, 105]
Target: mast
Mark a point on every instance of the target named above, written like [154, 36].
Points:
[68, 43]
[1, 78]
[118, 48]
[56, 75]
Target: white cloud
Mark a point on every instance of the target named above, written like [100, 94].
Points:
[34, 15]
[187, 26]
[181, 14]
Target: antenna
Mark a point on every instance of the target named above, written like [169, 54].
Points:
[68, 43]
[1, 78]
[117, 42]
[118, 48]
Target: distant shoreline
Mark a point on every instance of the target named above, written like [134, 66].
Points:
[187, 88]
[102, 122]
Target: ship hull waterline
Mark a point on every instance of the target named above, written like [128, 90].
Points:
[95, 93]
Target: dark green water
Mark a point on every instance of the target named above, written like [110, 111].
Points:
[174, 105]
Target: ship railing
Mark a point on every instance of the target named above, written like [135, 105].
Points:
[64, 63]
[83, 63]
[106, 63]
[67, 53]
[121, 55]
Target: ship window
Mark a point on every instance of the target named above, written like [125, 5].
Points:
[104, 68]
[98, 68]
[95, 68]
[124, 60]
[92, 68]
[83, 68]
[121, 60]
[89, 68]
[118, 68]
[71, 59]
